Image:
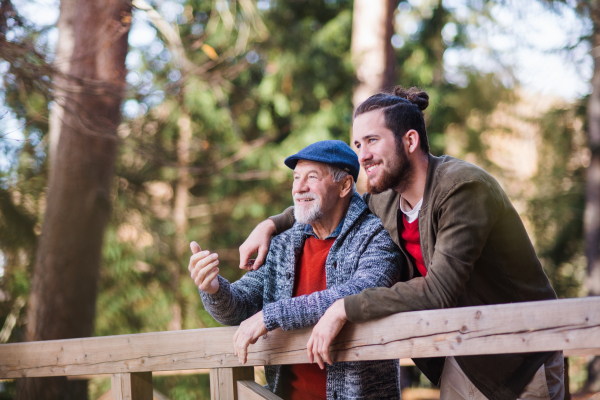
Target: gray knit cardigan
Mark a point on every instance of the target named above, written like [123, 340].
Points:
[362, 256]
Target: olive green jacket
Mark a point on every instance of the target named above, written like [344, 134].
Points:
[476, 252]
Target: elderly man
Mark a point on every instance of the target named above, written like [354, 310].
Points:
[335, 249]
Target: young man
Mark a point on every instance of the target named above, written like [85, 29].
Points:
[335, 249]
[463, 240]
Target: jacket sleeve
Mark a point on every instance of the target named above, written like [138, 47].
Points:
[378, 265]
[284, 221]
[366, 198]
[467, 213]
[235, 302]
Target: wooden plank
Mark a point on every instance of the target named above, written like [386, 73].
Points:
[157, 373]
[223, 382]
[582, 352]
[250, 390]
[519, 327]
[134, 386]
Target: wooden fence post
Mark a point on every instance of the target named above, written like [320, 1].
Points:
[223, 381]
[250, 390]
[132, 386]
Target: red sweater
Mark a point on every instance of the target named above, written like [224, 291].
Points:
[308, 381]
[411, 242]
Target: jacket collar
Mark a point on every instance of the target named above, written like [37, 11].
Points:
[434, 163]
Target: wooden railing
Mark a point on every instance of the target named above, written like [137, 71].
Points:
[572, 324]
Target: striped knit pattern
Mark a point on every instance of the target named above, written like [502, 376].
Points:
[362, 256]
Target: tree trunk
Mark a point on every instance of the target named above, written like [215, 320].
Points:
[180, 205]
[64, 284]
[592, 206]
[372, 52]
[62, 63]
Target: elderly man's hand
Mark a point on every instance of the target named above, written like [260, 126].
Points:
[203, 269]
[248, 333]
[324, 332]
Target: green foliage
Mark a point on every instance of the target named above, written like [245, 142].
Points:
[254, 96]
[292, 93]
[556, 211]
[188, 387]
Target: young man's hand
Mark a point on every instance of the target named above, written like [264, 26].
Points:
[257, 242]
[324, 332]
[203, 269]
[248, 333]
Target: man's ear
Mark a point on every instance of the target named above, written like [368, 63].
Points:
[346, 186]
[412, 141]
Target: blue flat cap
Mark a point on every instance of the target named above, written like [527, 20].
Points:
[332, 152]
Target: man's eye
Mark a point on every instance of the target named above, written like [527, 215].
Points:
[372, 140]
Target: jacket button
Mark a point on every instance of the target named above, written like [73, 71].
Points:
[288, 276]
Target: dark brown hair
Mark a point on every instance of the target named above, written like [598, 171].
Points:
[403, 111]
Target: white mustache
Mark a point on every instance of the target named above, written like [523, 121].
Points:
[305, 196]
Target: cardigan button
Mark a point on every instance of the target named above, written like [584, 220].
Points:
[335, 395]
[288, 276]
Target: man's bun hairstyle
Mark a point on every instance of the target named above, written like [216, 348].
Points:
[403, 111]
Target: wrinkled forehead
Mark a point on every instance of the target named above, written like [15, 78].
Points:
[305, 166]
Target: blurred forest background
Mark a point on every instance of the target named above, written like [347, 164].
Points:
[129, 129]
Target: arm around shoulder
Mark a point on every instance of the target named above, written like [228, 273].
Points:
[465, 216]
[284, 221]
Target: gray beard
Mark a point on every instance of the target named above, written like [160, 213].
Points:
[308, 216]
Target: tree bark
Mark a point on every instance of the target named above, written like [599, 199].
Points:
[62, 63]
[64, 283]
[372, 53]
[592, 206]
[180, 205]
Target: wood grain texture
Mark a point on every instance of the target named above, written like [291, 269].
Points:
[250, 390]
[519, 327]
[582, 352]
[134, 386]
[223, 382]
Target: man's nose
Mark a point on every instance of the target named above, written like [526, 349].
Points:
[364, 155]
[300, 186]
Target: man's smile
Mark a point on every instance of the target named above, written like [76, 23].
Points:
[371, 168]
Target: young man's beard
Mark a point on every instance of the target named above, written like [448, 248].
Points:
[398, 176]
